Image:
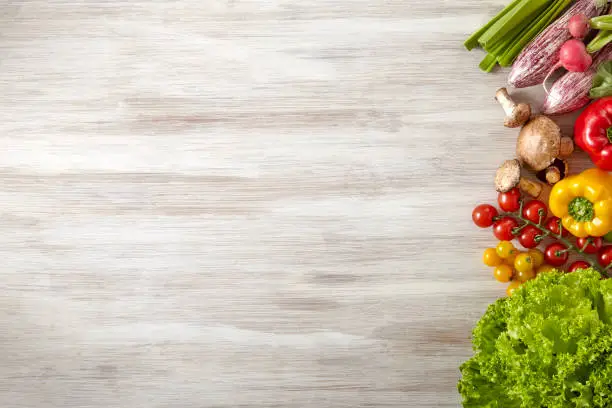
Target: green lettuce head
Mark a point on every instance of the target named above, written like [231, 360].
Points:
[548, 345]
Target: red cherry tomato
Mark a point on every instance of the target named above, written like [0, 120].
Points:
[578, 265]
[527, 237]
[605, 256]
[503, 229]
[555, 254]
[510, 201]
[553, 224]
[533, 209]
[483, 215]
[591, 245]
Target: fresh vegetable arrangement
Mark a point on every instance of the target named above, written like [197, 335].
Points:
[580, 209]
[513, 28]
[538, 37]
[548, 343]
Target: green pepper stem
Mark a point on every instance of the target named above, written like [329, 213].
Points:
[581, 209]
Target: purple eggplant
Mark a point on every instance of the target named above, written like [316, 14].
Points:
[571, 91]
[542, 54]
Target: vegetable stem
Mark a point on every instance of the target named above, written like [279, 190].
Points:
[518, 15]
[602, 22]
[602, 25]
[547, 233]
[601, 40]
[472, 41]
[535, 28]
[488, 63]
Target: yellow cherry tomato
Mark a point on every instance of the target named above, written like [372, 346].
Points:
[512, 287]
[523, 262]
[524, 276]
[505, 249]
[511, 258]
[490, 257]
[545, 268]
[537, 256]
[503, 273]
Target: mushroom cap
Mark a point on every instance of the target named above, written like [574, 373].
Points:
[508, 176]
[539, 143]
[520, 114]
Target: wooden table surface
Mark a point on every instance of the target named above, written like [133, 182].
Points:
[242, 203]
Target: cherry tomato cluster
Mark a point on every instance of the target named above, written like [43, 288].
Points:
[514, 266]
[530, 225]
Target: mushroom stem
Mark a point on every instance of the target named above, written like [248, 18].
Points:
[567, 147]
[553, 175]
[508, 176]
[532, 188]
[516, 114]
[506, 102]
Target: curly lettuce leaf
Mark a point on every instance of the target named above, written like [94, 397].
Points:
[549, 345]
[602, 82]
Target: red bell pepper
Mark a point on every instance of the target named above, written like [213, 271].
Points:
[593, 132]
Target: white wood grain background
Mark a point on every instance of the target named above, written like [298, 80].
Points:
[242, 203]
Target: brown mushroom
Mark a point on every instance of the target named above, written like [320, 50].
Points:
[540, 143]
[567, 147]
[508, 176]
[516, 114]
[554, 173]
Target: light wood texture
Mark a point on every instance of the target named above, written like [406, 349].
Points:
[242, 203]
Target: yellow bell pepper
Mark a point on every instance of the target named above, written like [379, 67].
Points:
[584, 203]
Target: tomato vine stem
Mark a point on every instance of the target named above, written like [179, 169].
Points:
[559, 237]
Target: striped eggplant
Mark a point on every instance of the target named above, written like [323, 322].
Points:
[537, 59]
[571, 91]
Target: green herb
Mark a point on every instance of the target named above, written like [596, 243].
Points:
[601, 40]
[602, 83]
[548, 345]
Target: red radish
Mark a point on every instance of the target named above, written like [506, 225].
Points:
[571, 91]
[579, 26]
[573, 56]
[533, 64]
